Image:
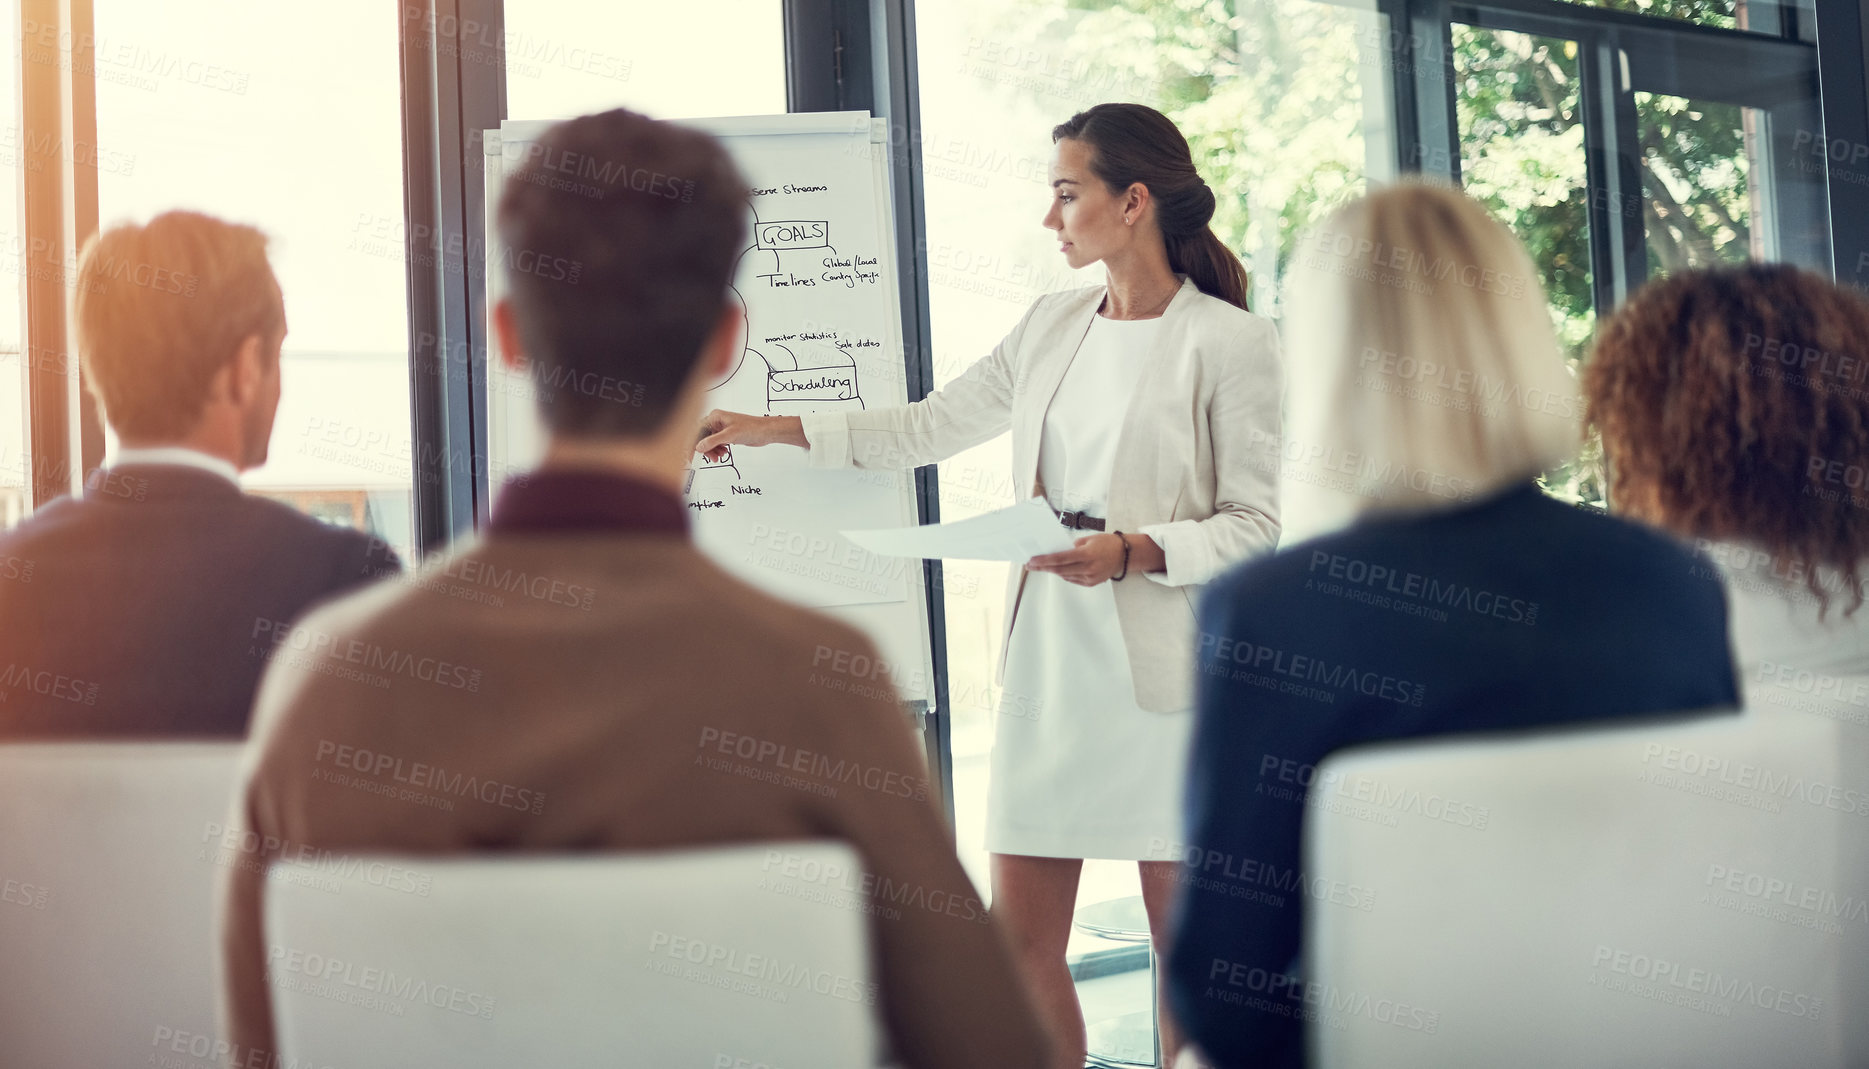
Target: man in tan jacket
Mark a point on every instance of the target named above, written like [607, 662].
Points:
[579, 676]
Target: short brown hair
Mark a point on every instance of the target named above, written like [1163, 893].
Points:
[621, 234]
[162, 307]
[1734, 406]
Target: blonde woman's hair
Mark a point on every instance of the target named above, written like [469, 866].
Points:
[1423, 369]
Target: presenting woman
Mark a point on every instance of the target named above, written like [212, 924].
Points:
[1146, 412]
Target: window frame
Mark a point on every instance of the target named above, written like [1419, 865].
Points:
[1621, 54]
[58, 214]
[447, 100]
[860, 55]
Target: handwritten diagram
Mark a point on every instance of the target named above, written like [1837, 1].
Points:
[819, 385]
[804, 370]
[817, 285]
[819, 326]
[793, 236]
[818, 290]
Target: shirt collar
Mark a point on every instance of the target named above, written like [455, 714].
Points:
[568, 500]
[178, 456]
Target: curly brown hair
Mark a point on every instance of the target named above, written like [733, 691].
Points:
[1734, 406]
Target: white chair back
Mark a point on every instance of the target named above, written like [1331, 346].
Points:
[109, 856]
[1655, 895]
[729, 958]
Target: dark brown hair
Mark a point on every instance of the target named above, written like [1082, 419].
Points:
[1135, 143]
[1734, 405]
[621, 233]
[161, 308]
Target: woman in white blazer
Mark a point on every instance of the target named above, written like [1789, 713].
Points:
[1146, 412]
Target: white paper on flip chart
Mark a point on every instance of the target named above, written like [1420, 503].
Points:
[1017, 533]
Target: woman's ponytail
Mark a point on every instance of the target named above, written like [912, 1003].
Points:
[1135, 143]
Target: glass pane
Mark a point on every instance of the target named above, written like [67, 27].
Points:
[1759, 15]
[1521, 155]
[1273, 104]
[292, 124]
[1697, 197]
[15, 458]
[573, 57]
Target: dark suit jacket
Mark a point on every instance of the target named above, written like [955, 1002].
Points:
[1514, 611]
[143, 606]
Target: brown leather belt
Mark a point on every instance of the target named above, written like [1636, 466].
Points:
[1079, 521]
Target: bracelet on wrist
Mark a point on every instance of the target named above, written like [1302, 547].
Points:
[1125, 571]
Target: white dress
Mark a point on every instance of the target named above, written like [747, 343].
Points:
[1078, 769]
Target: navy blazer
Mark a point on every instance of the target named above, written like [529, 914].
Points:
[147, 606]
[1512, 611]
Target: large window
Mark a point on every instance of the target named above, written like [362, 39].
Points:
[290, 125]
[571, 57]
[215, 108]
[1620, 156]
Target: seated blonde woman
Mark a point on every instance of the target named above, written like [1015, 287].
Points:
[1443, 592]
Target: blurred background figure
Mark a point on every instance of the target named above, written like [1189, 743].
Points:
[150, 604]
[1428, 397]
[1734, 409]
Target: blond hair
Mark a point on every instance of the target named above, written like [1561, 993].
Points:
[1424, 371]
[161, 308]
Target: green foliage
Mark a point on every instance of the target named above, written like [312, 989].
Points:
[1698, 204]
[1262, 97]
[1709, 12]
[1519, 109]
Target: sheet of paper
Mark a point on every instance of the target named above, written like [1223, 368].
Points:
[1017, 533]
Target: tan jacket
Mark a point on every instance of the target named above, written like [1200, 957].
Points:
[611, 691]
[1196, 466]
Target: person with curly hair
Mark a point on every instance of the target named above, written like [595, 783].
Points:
[1734, 409]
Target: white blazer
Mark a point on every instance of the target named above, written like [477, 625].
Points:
[1196, 464]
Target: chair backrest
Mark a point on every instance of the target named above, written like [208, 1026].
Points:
[730, 957]
[1653, 895]
[109, 856]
